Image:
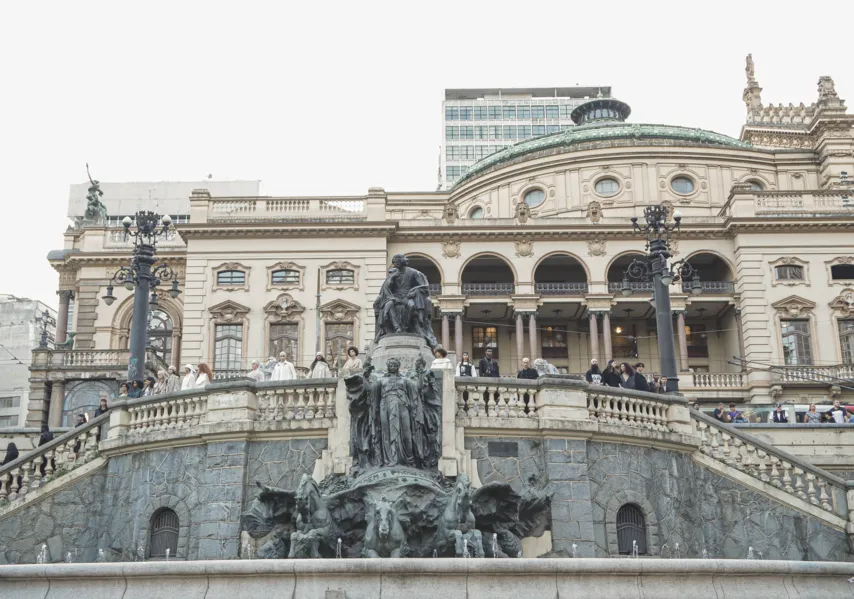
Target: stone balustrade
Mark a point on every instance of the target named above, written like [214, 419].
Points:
[828, 375]
[237, 209]
[788, 202]
[706, 380]
[304, 400]
[484, 397]
[65, 453]
[179, 410]
[644, 410]
[768, 464]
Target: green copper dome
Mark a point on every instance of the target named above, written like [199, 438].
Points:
[604, 130]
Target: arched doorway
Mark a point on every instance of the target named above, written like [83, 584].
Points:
[560, 274]
[488, 276]
[617, 271]
[83, 397]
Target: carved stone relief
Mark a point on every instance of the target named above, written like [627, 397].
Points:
[594, 211]
[524, 248]
[451, 249]
[596, 247]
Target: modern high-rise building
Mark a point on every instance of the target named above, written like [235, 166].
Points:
[478, 122]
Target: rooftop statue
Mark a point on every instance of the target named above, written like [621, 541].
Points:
[95, 209]
[403, 305]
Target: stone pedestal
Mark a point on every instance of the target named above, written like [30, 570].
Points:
[405, 348]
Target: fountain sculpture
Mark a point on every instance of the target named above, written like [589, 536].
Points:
[395, 502]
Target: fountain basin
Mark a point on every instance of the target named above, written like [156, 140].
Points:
[447, 578]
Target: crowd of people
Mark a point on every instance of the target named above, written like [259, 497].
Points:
[836, 414]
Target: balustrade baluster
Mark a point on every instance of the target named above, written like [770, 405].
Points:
[172, 410]
[715, 448]
[4, 486]
[823, 497]
[330, 402]
[739, 455]
[763, 475]
[299, 414]
[37, 463]
[290, 405]
[461, 400]
[532, 405]
[321, 402]
[726, 450]
[309, 404]
[750, 459]
[25, 479]
[16, 481]
[811, 488]
[775, 474]
[787, 478]
[501, 399]
[799, 483]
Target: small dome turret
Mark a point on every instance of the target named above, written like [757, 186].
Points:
[601, 110]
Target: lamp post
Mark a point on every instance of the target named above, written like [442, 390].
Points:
[45, 320]
[142, 279]
[654, 267]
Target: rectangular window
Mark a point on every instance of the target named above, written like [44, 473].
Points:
[452, 153]
[494, 113]
[483, 338]
[284, 338]
[552, 129]
[467, 152]
[509, 112]
[523, 113]
[231, 277]
[846, 340]
[789, 272]
[494, 132]
[339, 337]
[340, 276]
[8, 421]
[480, 113]
[539, 130]
[9, 402]
[797, 350]
[510, 132]
[698, 341]
[538, 112]
[553, 342]
[623, 340]
[524, 131]
[481, 132]
[466, 132]
[565, 111]
[452, 173]
[465, 113]
[452, 133]
[552, 111]
[228, 347]
[285, 277]
[482, 152]
[451, 113]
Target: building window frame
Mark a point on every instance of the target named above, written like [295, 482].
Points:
[483, 338]
[796, 309]
[227, 313]
[611, 179]
[839, 261]
[340, 285]
[284, 310]
[298, 285]
[231, 267]
[165, 533]
[779, 265]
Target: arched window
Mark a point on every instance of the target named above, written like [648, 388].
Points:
[607, 187]
[535, 197]
[755, 185]
[631, 528]
[282, 277]
[682, 185]
[164, 533]
[231, 277]
[160, 335]
[476, 213]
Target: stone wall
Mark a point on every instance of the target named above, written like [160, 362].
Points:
[687, 504]
[208, 487]
[64, 521]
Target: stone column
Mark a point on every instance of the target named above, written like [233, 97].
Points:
[594, 335]
[57, 398]
[683, 340]
[532, 333]
[606, 335]
[62, 315]
[520, 337]
[458, 336]
[446, 331]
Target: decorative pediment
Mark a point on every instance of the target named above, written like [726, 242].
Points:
[228, 311]
[837, 261]
[794, 307]
[790, 261]
[284, 309]
[844, 303]
[285, 285]
[339, 311]
[328, 281]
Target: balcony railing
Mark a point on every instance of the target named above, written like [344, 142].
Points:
[712, 286]
[488, 288]
[90, 358]
[642, 286]
[435, 288]
[287, 208]
[783, 203]
[819, 375]
[565, 288]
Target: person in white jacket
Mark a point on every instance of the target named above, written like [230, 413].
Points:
[256, 374]
[189, 377]
[283, 370]
[204, 378]
[319, 368]
[465, 367]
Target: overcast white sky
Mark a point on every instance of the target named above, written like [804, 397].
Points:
[335, 97]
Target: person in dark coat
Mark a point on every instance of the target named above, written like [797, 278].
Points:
[641, 383]
[610, 376]
[527, 372]
[135, 391]
[779, 415]
[46, 436]
[593, 374]
[487, 366]
[11, 454]
[102, 407]
[627, 376]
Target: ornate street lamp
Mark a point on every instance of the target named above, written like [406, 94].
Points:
[654, 267]
[46, 321]
[143, 280]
